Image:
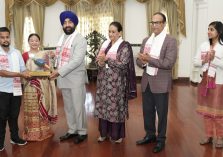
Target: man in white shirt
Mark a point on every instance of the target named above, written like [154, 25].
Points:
[12, 67]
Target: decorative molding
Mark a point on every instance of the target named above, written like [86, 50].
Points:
[201, 4]
[49, 48]
[199, 7]
[53, 48]
[135, 45]
[200, 1]
[181, 80]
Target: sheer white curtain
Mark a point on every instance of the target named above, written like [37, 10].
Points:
[28, 29]
[94, 17]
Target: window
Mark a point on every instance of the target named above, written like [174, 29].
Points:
[103, 24]
[28, 29]
[86, 26]
[94, 17]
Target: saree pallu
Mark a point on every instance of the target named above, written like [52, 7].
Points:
[40, 105]
[210, 105]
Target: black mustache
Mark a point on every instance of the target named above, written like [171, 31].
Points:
[3, 45]
[68, 27]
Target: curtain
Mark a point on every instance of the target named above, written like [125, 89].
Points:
[171, 10]
[9, 4]
[93, 16]
[118, 9]
[152, 6]
[9, 12]
[18, 24]
[98, 14]
[118, 13]
[142, 1]
[37, 12]
[180, 8]
[93, 9]
[118, 6]
[74, 2]
[180, 4]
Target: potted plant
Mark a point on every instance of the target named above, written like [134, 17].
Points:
[94, 41]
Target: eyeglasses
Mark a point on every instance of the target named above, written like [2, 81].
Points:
[155, 22]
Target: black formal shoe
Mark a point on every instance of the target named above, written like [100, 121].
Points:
[159, 147]
[206, 140]
[146, 139]
[67, 136]
[80, 138]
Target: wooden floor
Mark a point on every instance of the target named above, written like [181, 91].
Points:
[184, 131]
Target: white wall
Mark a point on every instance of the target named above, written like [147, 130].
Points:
[135, 21]
[215, 10]
[52, 27]
[2, 13]
[135, 26]
[204, 12]
[184, 53]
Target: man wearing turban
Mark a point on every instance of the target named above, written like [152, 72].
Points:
[71, 76]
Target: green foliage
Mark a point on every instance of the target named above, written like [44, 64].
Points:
[94, 41]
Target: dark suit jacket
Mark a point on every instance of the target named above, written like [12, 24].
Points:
[161, 83]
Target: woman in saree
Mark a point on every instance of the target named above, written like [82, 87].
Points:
[209, 58]
[40, 101]
[116, 84]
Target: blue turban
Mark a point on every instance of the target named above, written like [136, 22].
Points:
[68, 14]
